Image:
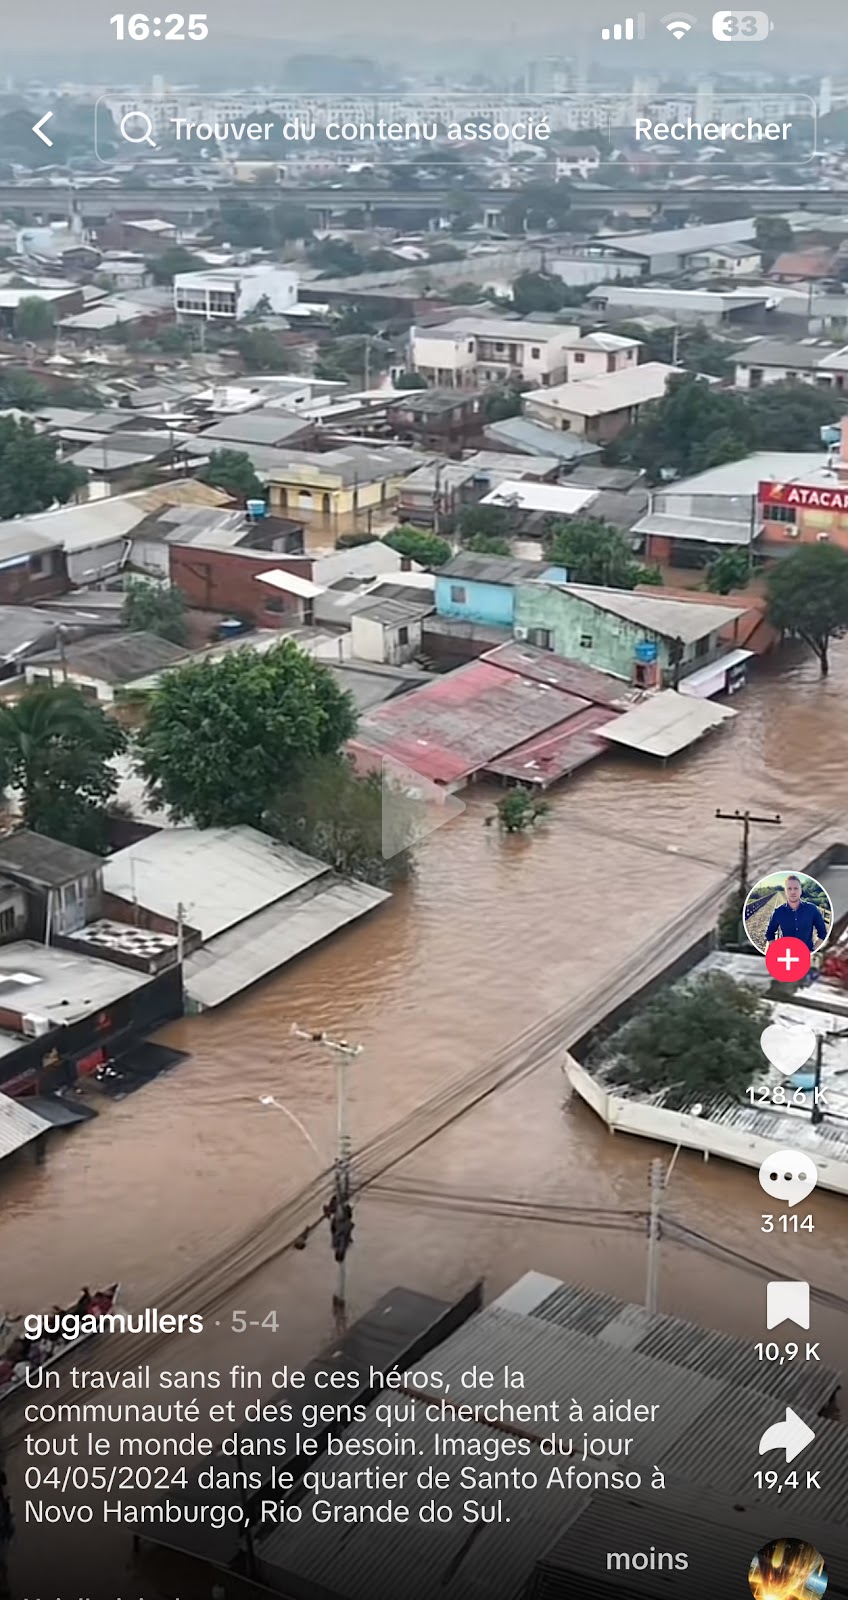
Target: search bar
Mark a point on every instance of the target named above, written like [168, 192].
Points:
[137, 128]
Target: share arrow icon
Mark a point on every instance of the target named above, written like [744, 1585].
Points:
[791, 1435]
[38, 127]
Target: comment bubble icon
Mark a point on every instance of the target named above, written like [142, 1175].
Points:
[788, 1175]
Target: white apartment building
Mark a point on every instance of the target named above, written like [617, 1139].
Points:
[474, 351]
[227, 294]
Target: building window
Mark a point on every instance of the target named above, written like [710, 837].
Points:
[781, 514]
[7, 920]
[540, 637]
[535, 352]
[585, 641]
[702, 646]
[457, 594]
[498, 349]
[579, 357]
[403, 636]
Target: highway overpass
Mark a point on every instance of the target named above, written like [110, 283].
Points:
[166, 200]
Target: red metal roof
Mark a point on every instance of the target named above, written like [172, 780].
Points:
[554, 754]
[474, 719]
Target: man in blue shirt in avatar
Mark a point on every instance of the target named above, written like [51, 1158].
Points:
[797, 919]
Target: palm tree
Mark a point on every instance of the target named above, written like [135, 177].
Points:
[35, 731]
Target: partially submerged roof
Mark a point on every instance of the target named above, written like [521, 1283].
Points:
[666, 723]
[223, 875]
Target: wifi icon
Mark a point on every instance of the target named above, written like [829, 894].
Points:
[678, 23]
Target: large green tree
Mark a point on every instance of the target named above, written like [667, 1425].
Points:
[697, 1041]
[55, 751]
[772, 236]
[728, 571]
[808, 597]
[419, 545]
[693, 427]
[791, 415]
[174, 260]
[224, 739]
[31, 479]
[232, 471]
[594, 551]
[155, 608]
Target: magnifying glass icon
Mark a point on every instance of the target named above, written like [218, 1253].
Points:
[146, 136]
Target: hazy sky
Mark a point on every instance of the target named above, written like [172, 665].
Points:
[812, 36]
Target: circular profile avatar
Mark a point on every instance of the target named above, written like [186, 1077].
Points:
[788, 905]
[787, 1569]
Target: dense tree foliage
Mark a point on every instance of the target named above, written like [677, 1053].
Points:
[772, 236]
[155, 608]
[232, 471]
[177, 259]
[419, 545]
[224, 739]
[31, 478]
[808, 597]
[698, 1041]
[594, 551]
[55, 751]
[696, 426]
[729, 571]
[491, 522]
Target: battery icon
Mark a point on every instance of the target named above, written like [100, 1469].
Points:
[741, 27]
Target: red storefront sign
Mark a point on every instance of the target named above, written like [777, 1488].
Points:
[807, 496]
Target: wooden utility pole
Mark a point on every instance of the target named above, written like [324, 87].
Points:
[746, 818]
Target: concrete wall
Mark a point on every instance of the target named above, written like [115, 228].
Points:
[582, 271]
[98, 561]
[490, 603]
[375, 641]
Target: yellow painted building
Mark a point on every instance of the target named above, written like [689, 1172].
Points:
[341, 491]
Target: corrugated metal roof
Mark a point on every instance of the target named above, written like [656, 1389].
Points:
[666, 723]
[703, 1434]
[540, 441]
[700, 529]
[222, 875]
[669, 619]
[18, 1125]
[416, 1559]
[258, 946]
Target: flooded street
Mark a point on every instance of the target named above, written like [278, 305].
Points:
[183, 1190]
[492, 936]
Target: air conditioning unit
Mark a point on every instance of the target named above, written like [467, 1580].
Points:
[792, 533]
[35, 1026]
[520, 633]
[822, 537]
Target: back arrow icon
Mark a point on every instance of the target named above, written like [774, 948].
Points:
[38, 127]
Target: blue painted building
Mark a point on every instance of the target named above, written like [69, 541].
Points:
[481, 589]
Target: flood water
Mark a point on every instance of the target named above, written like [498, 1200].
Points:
[180, 1191]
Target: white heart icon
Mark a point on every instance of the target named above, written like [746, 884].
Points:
[786, 1046]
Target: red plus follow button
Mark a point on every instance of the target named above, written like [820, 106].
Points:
[788, 960]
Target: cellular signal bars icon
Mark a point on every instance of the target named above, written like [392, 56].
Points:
[630, 28]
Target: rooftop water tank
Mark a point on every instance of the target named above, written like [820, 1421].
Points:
[256, 509]
[646, 650]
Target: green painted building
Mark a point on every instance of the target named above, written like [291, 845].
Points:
[647, 639]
